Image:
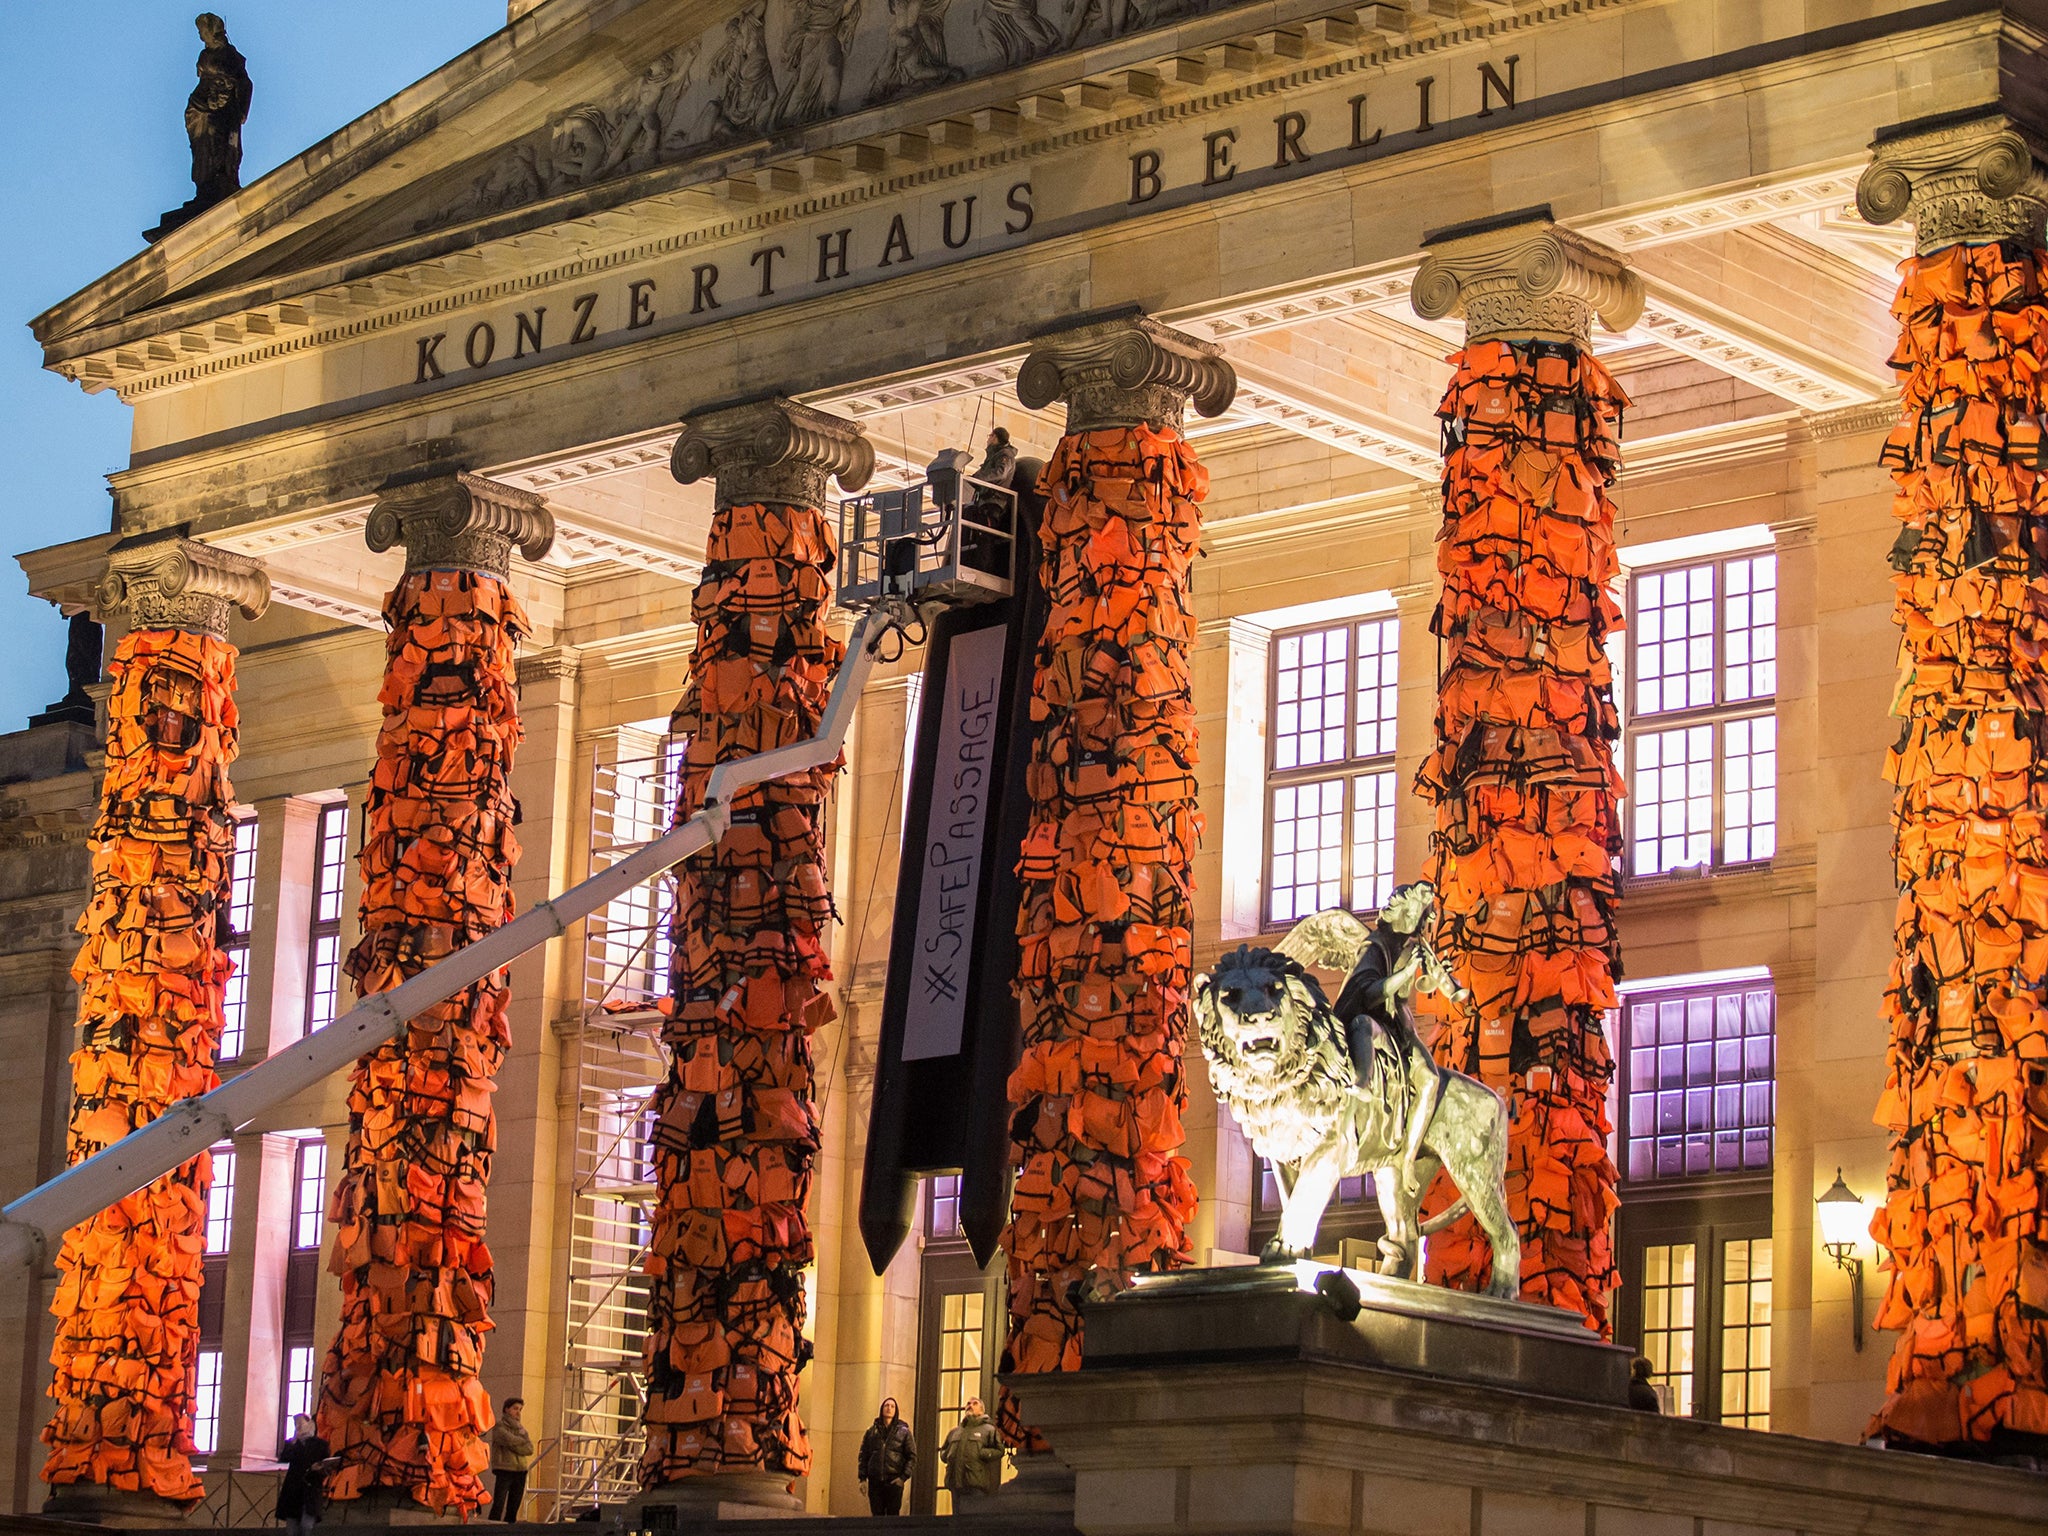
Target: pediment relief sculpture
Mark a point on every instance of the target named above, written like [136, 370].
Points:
[774, 66]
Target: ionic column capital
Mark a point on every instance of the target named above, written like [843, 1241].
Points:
[178, 583]
[462, 522]
[1116, 373]
[772, 450]
[1524, 278]
[1962, 177]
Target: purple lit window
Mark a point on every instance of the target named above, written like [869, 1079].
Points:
[241, 919]
[1700, 1083]
[323, 991]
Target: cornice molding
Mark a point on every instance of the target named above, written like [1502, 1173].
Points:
[1350, 428]
[1743, 350]
[1712, 209]
[558, 663]
[1066, 99]
[1878, 416]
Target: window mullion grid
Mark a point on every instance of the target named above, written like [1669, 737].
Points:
[1717, 718]
[1346, 836]
[1347, 830]
[1717, 815]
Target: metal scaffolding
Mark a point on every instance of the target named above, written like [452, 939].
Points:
[616, 1057]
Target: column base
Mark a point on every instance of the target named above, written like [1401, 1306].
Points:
[1044, 1485]
[384, 1506]
[717, 1496]
[96, 1504]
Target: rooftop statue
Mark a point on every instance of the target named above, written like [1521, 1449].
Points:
[1327, 1093]
[214, 114]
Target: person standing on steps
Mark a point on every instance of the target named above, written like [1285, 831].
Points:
[303, 1488]
[973, 1456]
[886, 1457]
[1642, 1392]
[511, 1455]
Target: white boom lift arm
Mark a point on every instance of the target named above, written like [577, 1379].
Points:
[32, 1226]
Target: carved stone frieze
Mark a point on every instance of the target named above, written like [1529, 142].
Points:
[1972, 177]
[179, 583]
[772, 450]
[460, 521]
[1525, 279]
[558, 663]
[777, 66]
[1123, 371]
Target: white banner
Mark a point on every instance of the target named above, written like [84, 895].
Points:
[964, 776]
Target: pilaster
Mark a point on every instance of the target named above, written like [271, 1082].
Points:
[1124, 371]
[1523, 277]
[1414, 725]
[531, 1210]
[252, 1351]
[1964, 178]
[1230, 710]
[772, 450]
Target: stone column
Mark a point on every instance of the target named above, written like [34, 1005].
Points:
[1103, 1192]
[1967, 1003]
[150, 976]
[1526, 848]
[532, 1207]
[736, 1132]
[400, 1402]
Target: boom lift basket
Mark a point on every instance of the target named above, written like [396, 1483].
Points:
[950, 539]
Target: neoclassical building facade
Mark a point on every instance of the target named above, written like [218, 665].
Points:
[423, 387]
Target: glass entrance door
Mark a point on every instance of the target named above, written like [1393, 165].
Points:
[958, 1339]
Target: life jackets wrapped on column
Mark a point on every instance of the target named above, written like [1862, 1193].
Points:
[1526, 790]
[151, 977]
[1527, 844]
[400, 1399]
[735, 1129]
[1102, 1191]
[1966, 1099]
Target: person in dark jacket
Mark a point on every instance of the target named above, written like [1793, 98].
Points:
[511, 1458]
[887, 1454]
[304, 1488]
[973, 1456]
[1641, 1393]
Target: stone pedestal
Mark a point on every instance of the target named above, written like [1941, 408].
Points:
[1043, 1487]
[384, 1506]
[720, 1497]
[1268, 1310]
[1239, 1404]
[96, 1504]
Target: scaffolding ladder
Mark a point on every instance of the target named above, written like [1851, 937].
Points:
[615, 1058]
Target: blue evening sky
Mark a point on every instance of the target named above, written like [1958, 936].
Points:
[97, 125]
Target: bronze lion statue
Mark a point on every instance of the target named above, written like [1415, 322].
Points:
[1326, 1097]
